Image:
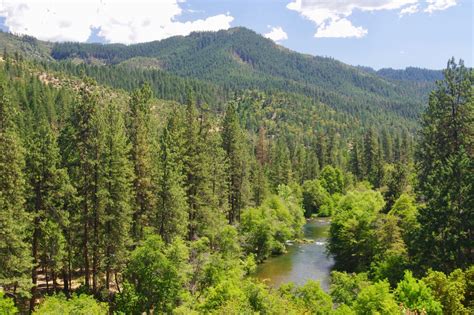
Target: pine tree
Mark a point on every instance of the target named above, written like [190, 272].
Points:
[171, 210]
[261, 149]
[197, 181]
[298, 164]
[218, 174]
[259, 183]
[332, 148]
[82, 146]
[386, 143]
[116, 194]
[280, 168]
[445, 164]
[372, 158]
[15, 258]
[49, 192]
[406, 154]
[141, 157]
[396, 184]
[232, 142]
[321, 150]
[355, 161]
[311, 166]
[397, 149]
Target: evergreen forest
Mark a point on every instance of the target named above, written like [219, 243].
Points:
[156, 178]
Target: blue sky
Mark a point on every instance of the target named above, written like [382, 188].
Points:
[376, 33]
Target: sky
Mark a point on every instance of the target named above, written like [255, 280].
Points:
[375, 33]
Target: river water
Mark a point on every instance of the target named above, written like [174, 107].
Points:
[302, 262]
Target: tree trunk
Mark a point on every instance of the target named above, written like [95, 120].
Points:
[46, 278]
[55, 282]
[65, 282]
[117, 282]
[86, 250]
[107, 269]
[34, 271]
[95, 245]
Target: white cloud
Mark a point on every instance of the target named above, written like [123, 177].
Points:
[412, 9]
[117, 21]
[331, 16]
[277, 34]
[438, 5]
[340, 28]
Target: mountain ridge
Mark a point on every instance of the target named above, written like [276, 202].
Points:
[240, 59]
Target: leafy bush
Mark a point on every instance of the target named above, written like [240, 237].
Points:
[309, 297]
[265, 229]
[316, 200]
[346, 286]
[77, 305]
[332, 179]
[7, 306]
[352, 239]
[155, 277]
[416, 296]
[454, 291]
[376, 299]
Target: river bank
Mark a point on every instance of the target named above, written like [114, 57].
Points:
[303, 260]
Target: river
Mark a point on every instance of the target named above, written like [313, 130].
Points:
[302, 262]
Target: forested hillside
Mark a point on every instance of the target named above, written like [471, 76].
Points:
[128, 190]
[240, 59]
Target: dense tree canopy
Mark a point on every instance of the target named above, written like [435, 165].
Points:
[129, 203]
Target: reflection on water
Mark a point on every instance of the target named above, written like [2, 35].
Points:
[303, 261]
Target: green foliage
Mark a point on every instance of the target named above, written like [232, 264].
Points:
[15, 261]
[316, 199]
[373, 167]
[396, 179]
[202, 202]
[171, 215]
[416, 296]
[405, 208]
[352, 241]
[280, 166]
[7, 306]
[376, 299]
[309, 297]
[345, 287]
[49, 193]
[391, 257]
[332, 180]
[411, 74]
[453, 291]
[266, 229]
[239, 59]
[116, 193]
[139, 134]
[445, 167]
[77, 305]
[155, 276]
[233, 145]
[85, 170]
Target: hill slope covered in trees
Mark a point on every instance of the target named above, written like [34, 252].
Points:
[114, 200]
[239, 59]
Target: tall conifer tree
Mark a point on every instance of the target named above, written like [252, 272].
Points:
[15, 258]
[49, 193]
[197, 171]
[232, 141]
[171, 210]
[141, 156]
[445, 164]
[116, 193]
